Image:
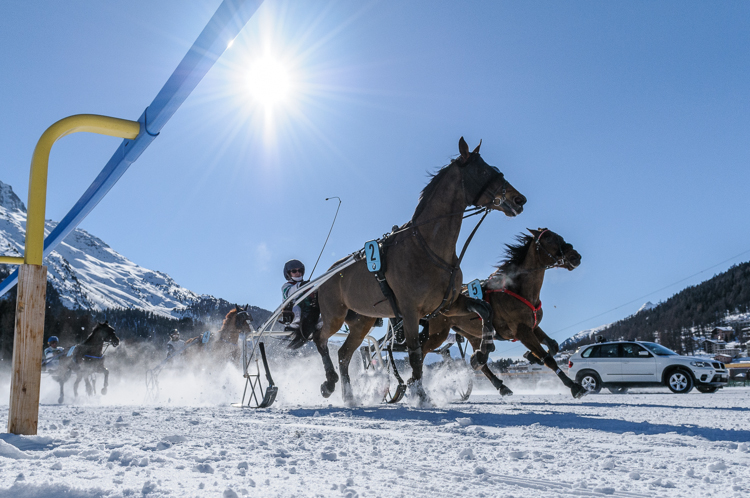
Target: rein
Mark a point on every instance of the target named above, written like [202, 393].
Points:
[440, 262]
[445, 266]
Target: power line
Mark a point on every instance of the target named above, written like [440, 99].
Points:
[641, 297]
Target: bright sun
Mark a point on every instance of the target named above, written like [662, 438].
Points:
[269, 82]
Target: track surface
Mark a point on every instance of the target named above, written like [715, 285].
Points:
[648, 443]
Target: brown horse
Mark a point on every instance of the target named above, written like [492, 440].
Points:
[513, 291]
[221, 346]
[86, 359]
[421, 268]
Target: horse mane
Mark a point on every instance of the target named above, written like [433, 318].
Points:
[91, 334]
[232, 313]
[429, 189]
[515, 253]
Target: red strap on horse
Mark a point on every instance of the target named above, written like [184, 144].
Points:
[534, 309]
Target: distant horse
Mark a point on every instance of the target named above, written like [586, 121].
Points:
[86, 359]
[223, 345]
[421, 266]
[513, 291]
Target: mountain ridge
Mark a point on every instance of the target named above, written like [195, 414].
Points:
[88, 274]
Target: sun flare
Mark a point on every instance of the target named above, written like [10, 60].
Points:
[269, 82]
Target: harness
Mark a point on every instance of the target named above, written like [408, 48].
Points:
[558, 262]
[437, 260]
[534, 309]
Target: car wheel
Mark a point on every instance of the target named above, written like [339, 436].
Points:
[590, 382]
[618, 390]
[707, 389]
[680, 381]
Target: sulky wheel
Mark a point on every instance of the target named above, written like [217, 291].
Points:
[462, 379]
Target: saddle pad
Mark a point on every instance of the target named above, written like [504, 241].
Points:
[475, 289]
[372, 256]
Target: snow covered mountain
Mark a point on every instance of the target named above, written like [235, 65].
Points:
[572, 341]
[91, 275]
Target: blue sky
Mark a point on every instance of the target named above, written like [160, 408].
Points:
[625, 124]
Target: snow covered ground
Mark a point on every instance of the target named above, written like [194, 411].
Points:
[539, 442]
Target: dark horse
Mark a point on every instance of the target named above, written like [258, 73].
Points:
[87, 358]
[223, 344]
[513, 291]
[421, 269]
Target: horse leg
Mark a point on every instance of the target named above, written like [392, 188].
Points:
[552, 346]
[484, 310]
[75, 384]
[496, 381]
[61, 380]
[106, 379]
[529, 339]
[438, 333]
[89, 388]
[320, 337]
[358, 329]
[416, 359]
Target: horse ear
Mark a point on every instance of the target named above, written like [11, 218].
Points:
[246, 307]
[477, 149]
[463, 149]
[535, 233]
[237, 308]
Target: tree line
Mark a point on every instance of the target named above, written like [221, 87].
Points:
[694, 311]
[72, 326]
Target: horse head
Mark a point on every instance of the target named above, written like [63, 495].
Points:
[485, 185]
[554, 251]
[237, 321]
[106, 333]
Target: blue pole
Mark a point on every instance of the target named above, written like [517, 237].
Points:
[224, 26]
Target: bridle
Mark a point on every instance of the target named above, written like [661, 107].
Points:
[560, 262]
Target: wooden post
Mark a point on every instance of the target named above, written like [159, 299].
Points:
[28, 342]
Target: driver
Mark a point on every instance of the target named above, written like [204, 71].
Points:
[175, 345]
[52, 354]
[306, 313]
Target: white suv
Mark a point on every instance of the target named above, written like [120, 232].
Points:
[623, 364]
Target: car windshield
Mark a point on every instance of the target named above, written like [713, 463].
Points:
[658, 349]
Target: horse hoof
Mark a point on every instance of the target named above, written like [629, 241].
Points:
[418, 395]
[327, 389]
[578, 391]
[504, 391]
[104, 390]
[347, 395]
[60, 400]
[553, 347]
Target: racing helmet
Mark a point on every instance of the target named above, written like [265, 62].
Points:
[52, 339]
[291, 265]
[175, 332]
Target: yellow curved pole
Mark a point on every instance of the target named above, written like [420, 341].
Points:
[92, 123]
[11, 260]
